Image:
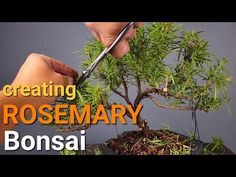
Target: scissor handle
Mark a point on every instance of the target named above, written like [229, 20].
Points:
[86, 74]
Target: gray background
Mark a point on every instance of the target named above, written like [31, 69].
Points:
[59, 40]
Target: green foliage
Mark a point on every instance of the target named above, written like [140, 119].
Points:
[97, 151]
[165, 128]
[183, 150]
[192, 135]
[155, 141]
[216, 147]
[170, 141]
[67, 152]
[193, 77]
[176, 64]
[164, 60]
[92, 95]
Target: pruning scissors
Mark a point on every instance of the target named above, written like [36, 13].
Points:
[86, 73]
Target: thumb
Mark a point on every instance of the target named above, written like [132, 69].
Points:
[121, 49]
[63, 79]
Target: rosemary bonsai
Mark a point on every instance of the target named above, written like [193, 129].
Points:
[164, 61]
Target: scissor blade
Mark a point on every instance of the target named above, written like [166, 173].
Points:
[86, 74]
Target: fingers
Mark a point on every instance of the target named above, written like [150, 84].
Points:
[61, 68]
[120, 50]
[107, 32]
[122, 47]
[138, 24]
[52, 68]
[96, 35]
[131, 34]
[63, 79]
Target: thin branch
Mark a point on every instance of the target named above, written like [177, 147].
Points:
[121, 95]
[138, 85]
[106, 104]
[159, 104]
[159, 91]
[125, 86]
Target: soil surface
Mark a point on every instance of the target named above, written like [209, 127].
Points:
[158, 142]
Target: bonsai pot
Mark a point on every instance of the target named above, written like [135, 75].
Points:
[111, 147]
[114, 146]
[97, 149]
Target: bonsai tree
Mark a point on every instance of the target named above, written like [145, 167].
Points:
[164, 61]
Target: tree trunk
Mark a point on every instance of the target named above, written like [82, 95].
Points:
[142, 124]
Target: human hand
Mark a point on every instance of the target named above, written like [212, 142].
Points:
[39, 69]
[107, 32]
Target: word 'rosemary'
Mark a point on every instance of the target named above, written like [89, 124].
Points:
[12, 113]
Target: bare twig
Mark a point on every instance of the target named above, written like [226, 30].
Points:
[135, 145]
[138, 85]
[125, 87]
[142, 95]
[121, 95]
[159, 104]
